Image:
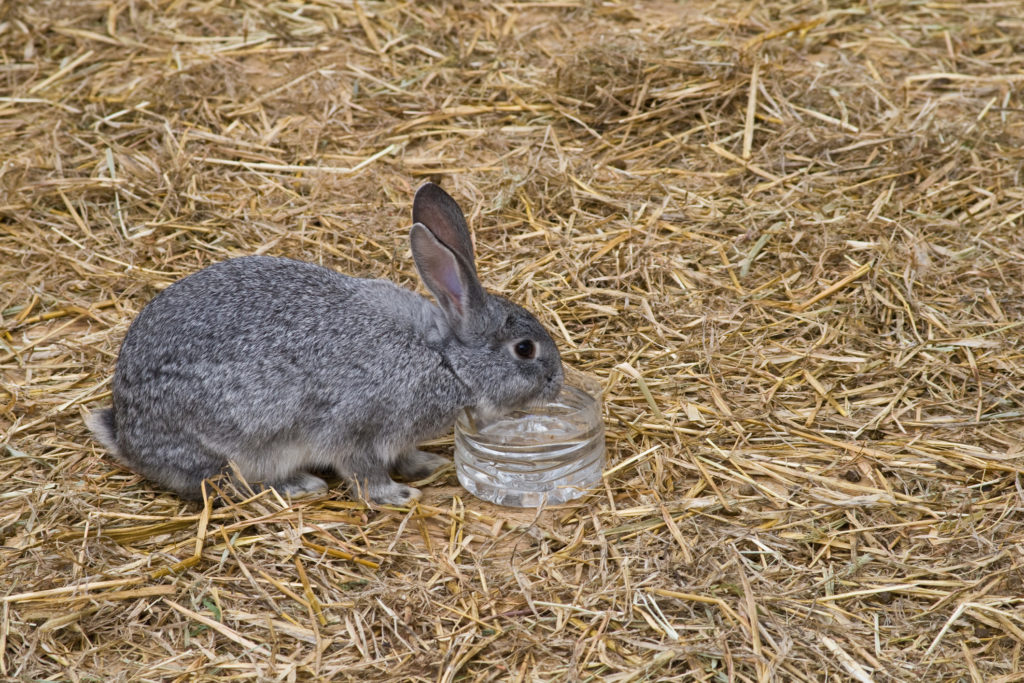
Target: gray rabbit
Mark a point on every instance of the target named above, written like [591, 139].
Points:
[286, 368]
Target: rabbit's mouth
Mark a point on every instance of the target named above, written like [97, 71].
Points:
[538, 403]
[552, 387]
[490, 408]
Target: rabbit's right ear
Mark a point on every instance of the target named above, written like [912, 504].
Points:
[448, 277]
[440, 214]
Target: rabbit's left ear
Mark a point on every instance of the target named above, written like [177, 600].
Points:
[448, 277]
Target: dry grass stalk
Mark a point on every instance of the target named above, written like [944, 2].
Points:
[787, 237]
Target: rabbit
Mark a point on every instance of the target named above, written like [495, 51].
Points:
[288, 369]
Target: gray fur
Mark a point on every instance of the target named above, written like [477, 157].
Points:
[284, 367]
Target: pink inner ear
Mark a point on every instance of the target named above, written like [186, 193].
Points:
[453, 283]
[441, 272]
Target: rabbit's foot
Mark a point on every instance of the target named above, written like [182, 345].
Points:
[300, 484]
[392, 493]
[417, 464]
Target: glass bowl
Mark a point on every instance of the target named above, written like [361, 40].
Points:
[545, 456]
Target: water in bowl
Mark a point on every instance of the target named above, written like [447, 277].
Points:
[527, 459]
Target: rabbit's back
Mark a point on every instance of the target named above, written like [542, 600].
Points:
[252, 304]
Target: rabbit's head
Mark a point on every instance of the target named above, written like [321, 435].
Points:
[498, 350]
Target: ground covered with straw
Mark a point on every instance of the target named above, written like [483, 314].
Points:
[786, 236]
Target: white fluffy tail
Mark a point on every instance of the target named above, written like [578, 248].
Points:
[101, 422]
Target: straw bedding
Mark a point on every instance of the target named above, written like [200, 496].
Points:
[786, 237]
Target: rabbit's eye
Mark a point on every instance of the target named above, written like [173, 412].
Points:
[525, 348]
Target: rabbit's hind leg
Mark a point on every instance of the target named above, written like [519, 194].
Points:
[179, 466]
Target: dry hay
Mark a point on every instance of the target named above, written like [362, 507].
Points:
[787, 236]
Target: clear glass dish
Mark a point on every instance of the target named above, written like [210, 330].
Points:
[548, 455]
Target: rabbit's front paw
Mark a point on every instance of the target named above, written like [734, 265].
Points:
[394, 493]
[416, 465]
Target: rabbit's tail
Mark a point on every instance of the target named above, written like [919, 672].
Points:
[101, 422]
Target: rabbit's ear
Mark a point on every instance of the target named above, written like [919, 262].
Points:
[437, 211]
[450, 279]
